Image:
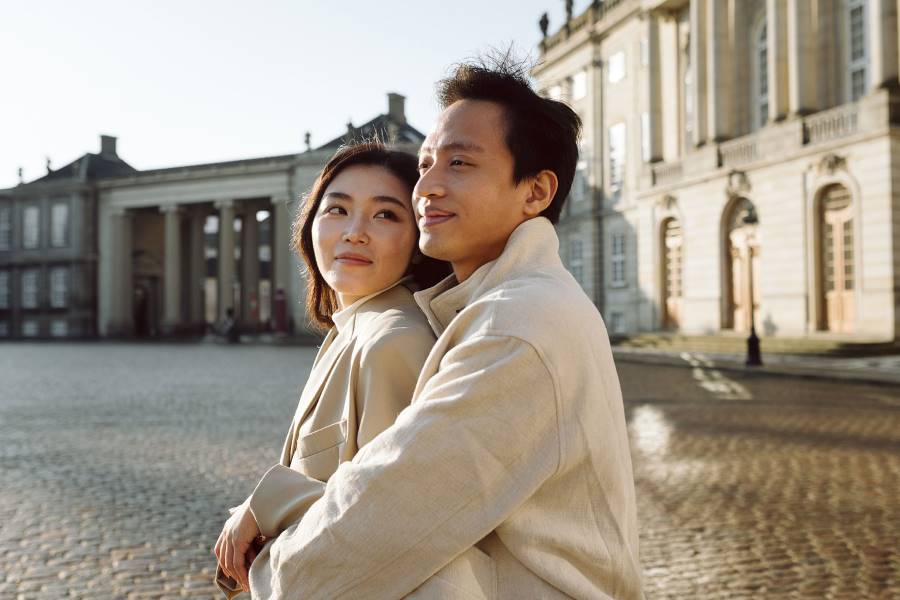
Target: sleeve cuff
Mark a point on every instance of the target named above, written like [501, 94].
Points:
[281, 497]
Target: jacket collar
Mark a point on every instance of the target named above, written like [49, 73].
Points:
[346, 319]
[533, 245]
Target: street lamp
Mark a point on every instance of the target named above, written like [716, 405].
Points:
[753, 355]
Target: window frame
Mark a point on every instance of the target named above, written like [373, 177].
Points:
[32, 208]
[617, 260]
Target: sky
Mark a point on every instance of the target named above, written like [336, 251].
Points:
[195, 81]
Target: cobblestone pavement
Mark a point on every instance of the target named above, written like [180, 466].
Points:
[119, 462]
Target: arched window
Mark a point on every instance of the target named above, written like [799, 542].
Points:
[857, 55]
[759, 101]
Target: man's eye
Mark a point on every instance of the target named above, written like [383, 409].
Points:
[456, 162]
[423, 166]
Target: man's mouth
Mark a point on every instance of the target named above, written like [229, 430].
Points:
[433, 217]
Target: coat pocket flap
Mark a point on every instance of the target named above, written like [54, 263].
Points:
[321, 439]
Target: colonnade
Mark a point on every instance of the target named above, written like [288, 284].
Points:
[184, 264]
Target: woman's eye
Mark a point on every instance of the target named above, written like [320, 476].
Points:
[335, 210]
[386, 214]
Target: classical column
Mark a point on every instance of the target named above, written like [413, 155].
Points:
[198, 269]
[226, 256]
[882, 42]
[122, 319]
[802, 63]
[776, 28]
[654, 97]
[172, 269]
[281, 258]
[719, 87]
[250, 269]
[698, 69]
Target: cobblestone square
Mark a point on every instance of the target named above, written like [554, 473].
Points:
[119, 462]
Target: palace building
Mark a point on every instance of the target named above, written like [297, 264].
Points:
[740, 161]
[99, 248]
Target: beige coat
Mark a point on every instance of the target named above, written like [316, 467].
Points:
[509, 476]
[363, 376]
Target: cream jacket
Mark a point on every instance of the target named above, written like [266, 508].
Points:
[509, 476]
[363, 376]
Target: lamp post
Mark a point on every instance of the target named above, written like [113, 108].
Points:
[754, 359]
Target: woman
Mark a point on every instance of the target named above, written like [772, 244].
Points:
[358, 237]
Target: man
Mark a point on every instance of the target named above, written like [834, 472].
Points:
[509, 476]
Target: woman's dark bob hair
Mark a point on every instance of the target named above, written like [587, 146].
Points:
[321, 300]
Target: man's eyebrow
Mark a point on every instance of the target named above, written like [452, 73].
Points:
[451, 147]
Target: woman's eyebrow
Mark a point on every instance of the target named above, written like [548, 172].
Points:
[391, 200]
[339, 196]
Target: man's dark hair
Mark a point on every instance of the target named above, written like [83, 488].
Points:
[541, 133]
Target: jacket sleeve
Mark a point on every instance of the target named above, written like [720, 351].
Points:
[388, 368]
[479, 440]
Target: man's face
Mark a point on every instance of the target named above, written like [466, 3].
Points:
[466, 202]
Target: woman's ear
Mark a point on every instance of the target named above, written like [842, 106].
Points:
[542, 190]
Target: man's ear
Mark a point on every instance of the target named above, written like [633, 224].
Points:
[542, 189]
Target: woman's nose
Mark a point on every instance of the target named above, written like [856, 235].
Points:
[356, 232]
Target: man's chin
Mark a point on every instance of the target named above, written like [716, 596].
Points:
[432, 247]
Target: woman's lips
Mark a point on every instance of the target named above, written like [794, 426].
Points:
[353, 260]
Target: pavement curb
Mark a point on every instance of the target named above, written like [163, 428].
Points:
[831, 374]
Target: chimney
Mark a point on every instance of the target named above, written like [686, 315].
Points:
[108, 146]
[396, 110]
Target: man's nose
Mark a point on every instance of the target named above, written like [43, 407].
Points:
[430, 185]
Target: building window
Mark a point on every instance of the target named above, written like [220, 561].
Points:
[555, 92]
[616, 323]
[760, 85]
[4, 329]
[59, 328]
[579, 85]
[645, 52]
[616, 67]
[4, 290]
[5, 228]
[616, 160]
[857, 55]
[29, 288]
[645, 136]
[31, 227]
[617, 259]
[59, 225]
[59, 287]
[688, 88]
[29, 328]
[576, 260]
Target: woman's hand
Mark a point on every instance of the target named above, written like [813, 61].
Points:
[235, 549]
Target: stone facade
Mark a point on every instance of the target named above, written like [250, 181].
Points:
[48, 249]
[736, 154]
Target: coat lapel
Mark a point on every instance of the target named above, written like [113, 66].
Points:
[334, 345]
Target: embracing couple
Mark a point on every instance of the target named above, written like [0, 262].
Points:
[467, 440]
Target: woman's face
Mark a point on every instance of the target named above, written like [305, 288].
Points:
[364, 232]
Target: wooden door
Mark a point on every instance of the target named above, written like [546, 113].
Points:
[837, 260]
[672, 267]
[744, 248]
